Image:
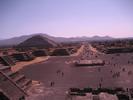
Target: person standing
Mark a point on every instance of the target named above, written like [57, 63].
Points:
[51, 84]
[62, 74]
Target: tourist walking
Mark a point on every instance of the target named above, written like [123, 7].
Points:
[52, 83]
[58, 71]
[62, 74]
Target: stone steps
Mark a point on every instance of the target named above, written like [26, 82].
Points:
[14, 81]
[4, 67]
[10, 88]
[24, 83]
[18, 78]
[10, 73]
[7, 60]
[1, 64]
[25, 88]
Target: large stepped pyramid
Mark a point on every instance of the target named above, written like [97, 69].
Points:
[38, 41]
[13, 81]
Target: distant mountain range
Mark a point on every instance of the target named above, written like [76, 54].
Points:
[18, 40]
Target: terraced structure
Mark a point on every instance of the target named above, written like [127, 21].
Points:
[13, 85]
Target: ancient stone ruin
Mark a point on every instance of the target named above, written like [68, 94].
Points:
[13, 85]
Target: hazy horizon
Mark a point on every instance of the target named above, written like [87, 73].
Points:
[54, 36]
[64, 36]
[66, 18]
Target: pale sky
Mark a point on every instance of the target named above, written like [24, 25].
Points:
[66, 18]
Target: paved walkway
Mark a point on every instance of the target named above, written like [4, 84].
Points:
[79, 51]
[117, 72]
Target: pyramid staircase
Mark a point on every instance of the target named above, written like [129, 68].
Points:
[11, 81]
